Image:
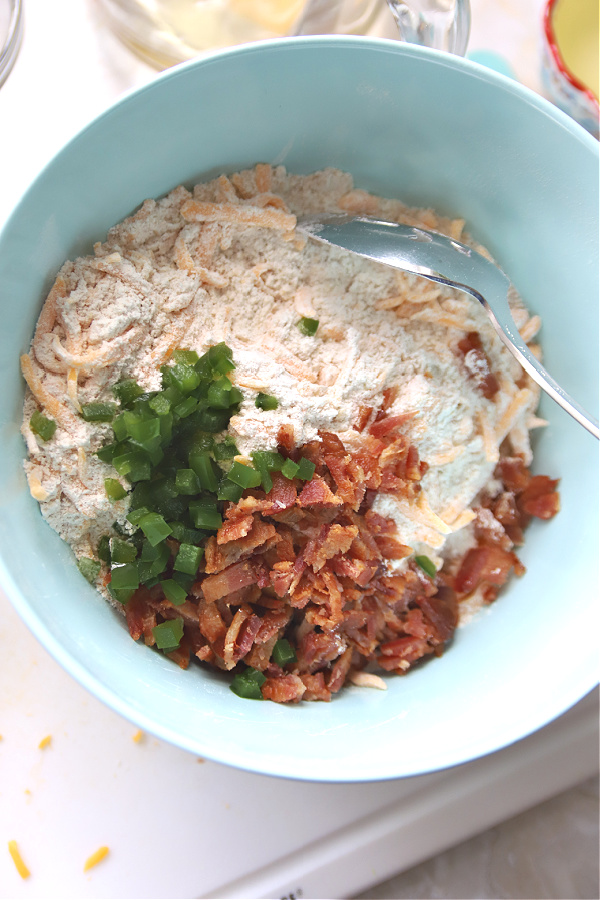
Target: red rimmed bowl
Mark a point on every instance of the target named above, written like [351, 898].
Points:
[570, 59]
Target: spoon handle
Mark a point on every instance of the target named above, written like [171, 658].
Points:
[445, 261]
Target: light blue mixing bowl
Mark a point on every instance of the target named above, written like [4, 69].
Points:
[431, 129]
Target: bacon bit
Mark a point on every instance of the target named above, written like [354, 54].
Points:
[272, 624]
[478, 365]
[332, 539]
[232, 530]
[390, 548]
[540, 498]
[285, 438]
[389, 396]
[315, 650]
[318, 493]
[284, 689]
[349, 478]
[505, 510]
[315, 687]
[384, 426]
[225, 582]
[441, 612]
[485, 564]
[217, 559]
[140, 617]
[206, 654]
[397, 655]
[181, 656]
[513, 472]
[282, 495]
[340, 671]
[359, 571]
[331, 444]
[363, 417]
[379, 524]
[281, 577]
[415, 624]
[247, 636]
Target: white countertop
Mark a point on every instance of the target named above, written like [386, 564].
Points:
[219, 831]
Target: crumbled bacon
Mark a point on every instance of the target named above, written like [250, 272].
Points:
[308, 561]
[478, 365]
[283, 689]
[228, 580]
[539, 498]
[318, 493]
[488, 564]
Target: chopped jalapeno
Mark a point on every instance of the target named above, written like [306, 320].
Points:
[114, 489]
[121, 551]
[308, 326]
[89, 568]
[98, 412]
[283, 653]
[225, 449]
[174, 591]
[124, 576]
[188, 559]
[204, 516]
[187, 482]
[427, 565]
[244, 476]
[248, 684]
[290, 469]
[306, 469]
[168, 634]
[202, 465]
[42, 426]
[127, 391]
[154, 527]
[266, 401]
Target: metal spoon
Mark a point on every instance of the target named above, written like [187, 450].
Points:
[445, 261]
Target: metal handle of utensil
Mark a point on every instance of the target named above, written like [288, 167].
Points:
[445, 261]
[441, 24]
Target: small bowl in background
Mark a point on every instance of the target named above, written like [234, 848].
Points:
[570, 59]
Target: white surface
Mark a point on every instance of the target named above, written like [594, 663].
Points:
[177, 827]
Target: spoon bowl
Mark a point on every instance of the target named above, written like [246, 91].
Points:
[445, 261]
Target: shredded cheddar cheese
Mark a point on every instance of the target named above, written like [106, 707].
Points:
[95, 858]
[18, 860]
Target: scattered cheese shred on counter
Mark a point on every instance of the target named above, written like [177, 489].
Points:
[18, 860]
[45, 742]
[95, 858]
[138, 736]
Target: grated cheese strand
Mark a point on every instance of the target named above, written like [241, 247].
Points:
[18, 860]
[95, 858]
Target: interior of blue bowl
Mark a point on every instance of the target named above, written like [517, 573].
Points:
[430, 129]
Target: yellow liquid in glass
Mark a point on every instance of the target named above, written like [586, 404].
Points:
[575, 25]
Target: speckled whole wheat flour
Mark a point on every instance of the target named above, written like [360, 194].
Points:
[176, 274]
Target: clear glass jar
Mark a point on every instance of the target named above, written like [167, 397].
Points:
[11, 30]
[166, 32]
